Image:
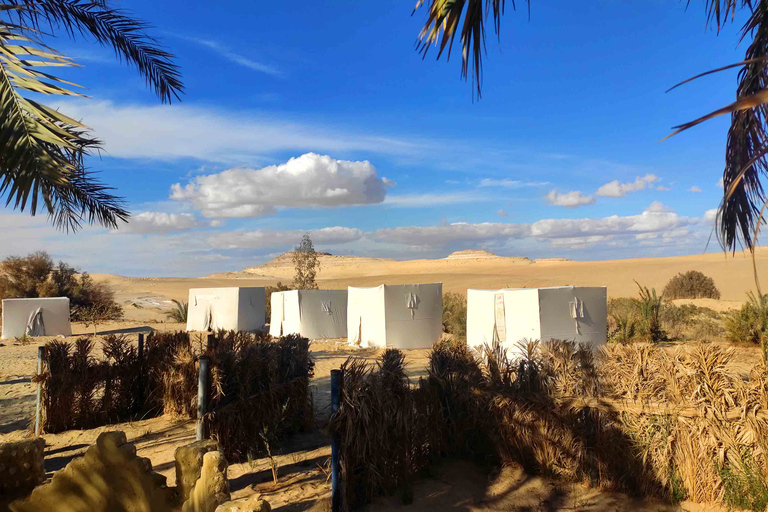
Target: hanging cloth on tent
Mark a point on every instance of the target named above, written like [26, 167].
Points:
[577, 311]
[412, 303]
[208, 318]
[35, 324]
[500, 319]
[326, 305]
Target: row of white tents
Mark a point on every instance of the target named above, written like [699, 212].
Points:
[399, 316]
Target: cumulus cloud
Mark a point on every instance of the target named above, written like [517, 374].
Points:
[159, 223]
[506, 183]
[572, 199]
[440, 235]
[308, 180]
[618, 189]
[694, 189]
[275, 238]
[710, 214]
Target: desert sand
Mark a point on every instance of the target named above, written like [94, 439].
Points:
[304, 480]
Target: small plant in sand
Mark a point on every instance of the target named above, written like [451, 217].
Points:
[691, 285]
[750, 323]
[23, 340]
[179, 311]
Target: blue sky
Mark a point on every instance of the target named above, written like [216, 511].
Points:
[560, 157]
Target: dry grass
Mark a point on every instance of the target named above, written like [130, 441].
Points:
[630, 418]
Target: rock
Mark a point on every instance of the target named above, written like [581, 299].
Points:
[212, 488]
[21, 466]
[189, 463]
[254, 504]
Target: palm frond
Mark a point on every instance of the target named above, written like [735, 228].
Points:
[113, 28]
[443, 20]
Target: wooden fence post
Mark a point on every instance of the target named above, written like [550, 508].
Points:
[140, 400]
[38, 404]
[210, 342]
[337, 380]
[202, 392]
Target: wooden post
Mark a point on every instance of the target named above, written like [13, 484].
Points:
[141, 346]
[210, 343]
[337, 380]
[202, 388]
[38, 404]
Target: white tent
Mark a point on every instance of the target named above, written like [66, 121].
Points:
[399, 316]
[231, 309]
[36, 317]
[313, 314]
[511, 315]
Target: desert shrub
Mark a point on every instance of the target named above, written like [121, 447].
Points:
[744, 487]
[268, 290]
[179, 311]
[650, 304]
[750, 323]
[36, 276]
[691, 285]
[455, 314]
[691, 322]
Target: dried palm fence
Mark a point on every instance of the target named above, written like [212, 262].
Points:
[259, 390]
[80, 390]
[632, 419]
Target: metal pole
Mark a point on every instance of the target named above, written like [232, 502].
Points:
[337, 380]
[140, 404]
[40, 356]
[210, 343]
[202, 388]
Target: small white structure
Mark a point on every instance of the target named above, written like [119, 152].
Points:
[398, 316]
[313, 314]
[570, 313]
[47, 316]
[231, 309]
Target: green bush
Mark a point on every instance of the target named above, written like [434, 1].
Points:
[748, 324]
[37, 276]
[455, 314]
[651, 329]
[691, 285]
[691, 322]
[744, 487]
[179, 311]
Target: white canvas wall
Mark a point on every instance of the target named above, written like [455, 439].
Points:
[236, 309]
[365, 317]
[398, 316]
[16, 313]
[314, 314]
[537, 314]
[557, 323]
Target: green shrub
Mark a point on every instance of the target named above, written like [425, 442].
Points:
[691, 285]
[651, 329]
[179, 311]
[691, 322]
[455, 314]
[624, 327]
[37, 276]
[744, 487]
[749, 323]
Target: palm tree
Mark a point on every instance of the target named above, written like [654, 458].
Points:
[41, 149]
[744, 201]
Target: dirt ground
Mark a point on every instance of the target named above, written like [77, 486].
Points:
[304, 461]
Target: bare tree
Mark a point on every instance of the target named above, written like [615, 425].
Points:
[306, 264]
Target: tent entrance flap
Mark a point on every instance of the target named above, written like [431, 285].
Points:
[500, 319]
[35, 323]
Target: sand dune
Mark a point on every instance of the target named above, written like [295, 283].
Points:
[467, 269]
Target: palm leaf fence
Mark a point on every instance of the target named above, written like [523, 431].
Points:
[632, 418]
[259, 391]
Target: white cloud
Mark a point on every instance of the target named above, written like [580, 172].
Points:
[234, 57]
[185, 131]
[694, 189]
[506, 183]
[710, 214]
[440, 235]
[719, 183]
[429, 199]
[618, 189]
[159, 223]
[305, 181]
[272, 238]
[572, 199]
[663, 188]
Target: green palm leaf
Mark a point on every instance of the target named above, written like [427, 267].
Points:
[41, 149]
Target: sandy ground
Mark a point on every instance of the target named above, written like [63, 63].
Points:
[303, 483]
